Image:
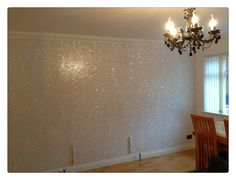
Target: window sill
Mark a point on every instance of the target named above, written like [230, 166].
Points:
[214, 113]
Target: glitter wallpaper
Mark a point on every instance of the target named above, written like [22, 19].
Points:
[92, 94]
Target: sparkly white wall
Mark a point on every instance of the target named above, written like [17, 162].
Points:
[93, 94]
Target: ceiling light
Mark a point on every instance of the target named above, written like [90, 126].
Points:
[193, 37]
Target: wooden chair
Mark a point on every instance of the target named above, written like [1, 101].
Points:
[226, 124]
[206, 140]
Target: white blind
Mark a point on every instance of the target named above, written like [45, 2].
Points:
[211, 84]
[225, 83]
[216, 84]
[223, 92]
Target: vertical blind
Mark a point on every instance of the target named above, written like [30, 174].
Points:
[211, 84]
[225, 84]
[216, 84]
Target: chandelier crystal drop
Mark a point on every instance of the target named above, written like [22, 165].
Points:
[192, 39]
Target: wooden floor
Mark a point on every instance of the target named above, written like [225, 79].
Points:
[175, 162]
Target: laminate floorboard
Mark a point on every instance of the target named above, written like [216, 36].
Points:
[176, 162]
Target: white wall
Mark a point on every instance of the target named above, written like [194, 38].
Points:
[215, 49]
[94, 93]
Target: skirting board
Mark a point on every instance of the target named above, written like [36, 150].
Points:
[122, 159]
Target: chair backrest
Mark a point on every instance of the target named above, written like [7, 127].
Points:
[226, 124]
[206, 139]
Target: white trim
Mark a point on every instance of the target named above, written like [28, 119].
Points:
[166, 151]
[214, 113]
[123, 159]
[74, 37]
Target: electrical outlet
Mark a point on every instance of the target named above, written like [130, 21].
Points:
[189, 136]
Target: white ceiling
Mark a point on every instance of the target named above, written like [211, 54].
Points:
[138, 23]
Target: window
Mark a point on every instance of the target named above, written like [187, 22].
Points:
[216, 84]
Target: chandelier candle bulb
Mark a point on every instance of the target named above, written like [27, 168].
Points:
[212, 23]
[170, 27]
[173, 32]
[194, 20]
[169, 24]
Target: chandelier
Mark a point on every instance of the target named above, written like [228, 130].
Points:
[192, 38]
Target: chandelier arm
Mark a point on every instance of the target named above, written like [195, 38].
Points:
[175, 42]
[213, 35]
[207, 41]
[179, 44]
[205, 47]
